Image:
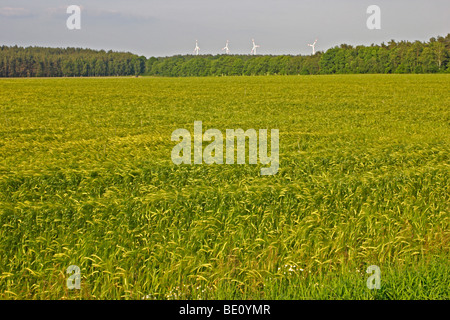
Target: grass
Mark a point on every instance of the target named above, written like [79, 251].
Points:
[86, 178]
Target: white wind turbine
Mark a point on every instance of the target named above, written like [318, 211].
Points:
[254, 47]
[227, 50]
[197, 48]
[313, 46]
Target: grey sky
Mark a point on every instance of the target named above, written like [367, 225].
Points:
[168, 27]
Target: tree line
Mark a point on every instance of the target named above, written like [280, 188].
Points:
[432, 56]
[69, 62]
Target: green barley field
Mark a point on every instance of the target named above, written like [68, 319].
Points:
[86, 179]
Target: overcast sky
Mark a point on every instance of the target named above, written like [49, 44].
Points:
[168, 27]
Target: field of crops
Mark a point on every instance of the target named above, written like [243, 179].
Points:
[86, 179]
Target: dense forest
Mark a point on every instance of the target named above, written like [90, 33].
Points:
[394, 57]
[71, 62]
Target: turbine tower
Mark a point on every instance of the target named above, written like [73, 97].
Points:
[196, 48]
[227, 50]
[313, 47]
[254, 47]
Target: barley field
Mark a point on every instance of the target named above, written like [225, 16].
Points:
[86, 179]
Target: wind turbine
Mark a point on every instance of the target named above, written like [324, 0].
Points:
[254, 47]
[196, 48]
[313, 46]
[227, 50]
